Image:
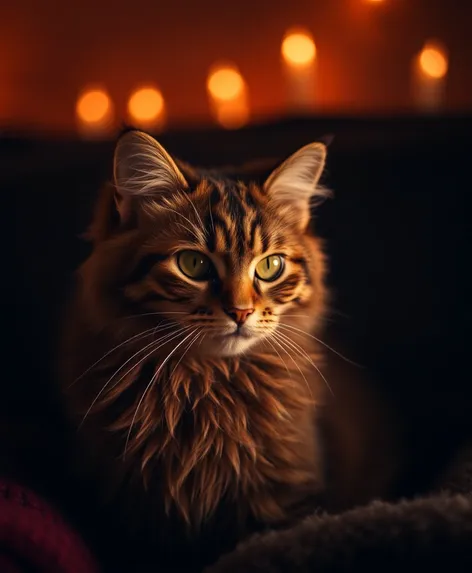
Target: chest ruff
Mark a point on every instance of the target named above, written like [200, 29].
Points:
[220, 429]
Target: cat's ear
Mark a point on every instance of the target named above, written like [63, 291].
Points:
[143, 170]
[293, 187]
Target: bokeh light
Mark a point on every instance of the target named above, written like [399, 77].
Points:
[146, 106]
[298, 48]
[233, 115]
[93, 107]
[225, 82]
[228, 95]
[433, 60]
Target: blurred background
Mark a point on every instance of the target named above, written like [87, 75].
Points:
[228, 82]
[88, 65]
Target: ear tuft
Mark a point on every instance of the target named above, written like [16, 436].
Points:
[294, 184]
[143, 168]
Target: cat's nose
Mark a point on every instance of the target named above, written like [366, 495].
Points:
[239, 315]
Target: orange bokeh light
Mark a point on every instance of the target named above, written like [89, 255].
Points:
[298, 48]
[233, 115]
[93, 106]
[433, 61]
[146, 105]
[225, 83]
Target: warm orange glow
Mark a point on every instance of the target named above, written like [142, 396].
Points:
[232, 115]
[433, 61]
[225, 83]
[93, 106]
[374, 1]
[146, 105]
[228, 96]
[298, 48]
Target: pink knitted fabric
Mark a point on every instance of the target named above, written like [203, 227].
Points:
[34, 537]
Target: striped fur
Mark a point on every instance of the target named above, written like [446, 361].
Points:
[205, 418]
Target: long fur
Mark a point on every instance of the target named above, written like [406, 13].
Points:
[170, 425]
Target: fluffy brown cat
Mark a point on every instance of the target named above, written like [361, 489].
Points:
[186, 372]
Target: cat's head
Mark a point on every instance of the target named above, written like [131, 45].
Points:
[229, 262]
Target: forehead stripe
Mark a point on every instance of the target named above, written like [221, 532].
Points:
[217, 224]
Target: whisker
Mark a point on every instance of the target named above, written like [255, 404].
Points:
[156, 345]
[143, 334]
[150, 314]
[160, 343]
[335, 311]
[201, 339]
[120, 318]
[211, 214]
[191, 231]
[151, 382]
[283, 347]
[325, 319]
[195, 229]
[278, 354]
[292, 315]
[185, 352]
[302, 352]
[299, 330]
[197, 214]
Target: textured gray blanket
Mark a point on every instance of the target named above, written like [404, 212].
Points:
[432, 532]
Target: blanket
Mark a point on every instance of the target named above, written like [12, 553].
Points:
[433, 532]
[35, 537]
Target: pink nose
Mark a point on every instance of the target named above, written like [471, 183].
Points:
[239, 315]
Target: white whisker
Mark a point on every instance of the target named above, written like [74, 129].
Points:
[187, 348]
[299, 330]
[283, 347]
[156, 345]
[192, 225]
[150, 314]
[187, 229]
[197, 214]
[144, 334]
[278, 354]
[201, 339]
[211, 214]
[302, 352]
[151, 382]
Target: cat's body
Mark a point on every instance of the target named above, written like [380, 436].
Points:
[188, 365]
[250, 485]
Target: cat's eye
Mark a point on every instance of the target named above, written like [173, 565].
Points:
[194, 265]
[270, 268]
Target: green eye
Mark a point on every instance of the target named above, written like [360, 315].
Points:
[270, 268]
[194, 265]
